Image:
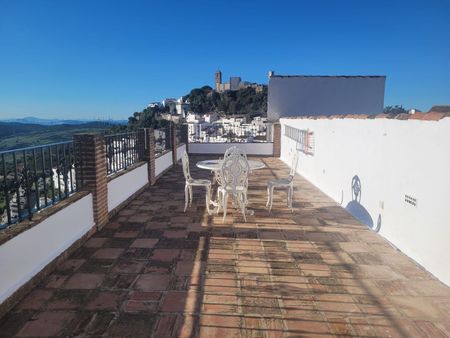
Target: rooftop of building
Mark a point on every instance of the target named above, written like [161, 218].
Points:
[329, 76]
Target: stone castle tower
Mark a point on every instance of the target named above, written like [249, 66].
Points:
[218, 80]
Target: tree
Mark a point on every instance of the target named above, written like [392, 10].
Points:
[243, 102]
[395, 110]
[246, 101]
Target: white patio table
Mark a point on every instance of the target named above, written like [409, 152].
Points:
[215, 166]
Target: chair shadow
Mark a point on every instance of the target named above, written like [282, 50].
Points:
[357, 210]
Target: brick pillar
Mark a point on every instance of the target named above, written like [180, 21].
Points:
[276, 139]
[150, 154]
[90, 154]
[185, 136]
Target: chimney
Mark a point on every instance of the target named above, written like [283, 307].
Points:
[271, 73]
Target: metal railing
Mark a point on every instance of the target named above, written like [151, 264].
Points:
[34, 178]
[123, 150]
[304, 139]
[178, 134]
[228, 133]
[160, 141]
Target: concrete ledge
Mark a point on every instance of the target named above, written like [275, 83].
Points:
[163, 162]
[125, 185]
[33, 254]
[16, 229]
[122, 205]
[125, 171]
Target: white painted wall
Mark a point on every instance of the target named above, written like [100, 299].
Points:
[324, 95]
[391, 158]
[163, 162]
[25, 255]
[263, 148]
[122, 187]
[180, 151]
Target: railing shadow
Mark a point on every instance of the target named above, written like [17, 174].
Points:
[279, 273]
[256, 294]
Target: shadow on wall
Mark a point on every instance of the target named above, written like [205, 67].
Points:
[355, 207]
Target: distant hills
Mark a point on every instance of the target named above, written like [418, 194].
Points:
[54, 122]
[19, 134]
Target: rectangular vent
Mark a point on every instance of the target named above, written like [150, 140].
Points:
[411, 200]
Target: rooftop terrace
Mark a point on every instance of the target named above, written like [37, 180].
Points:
[156, 271]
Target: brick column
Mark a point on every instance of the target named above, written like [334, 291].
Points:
[276, 139]
[150, 154]
[90, 154]
[185, 136]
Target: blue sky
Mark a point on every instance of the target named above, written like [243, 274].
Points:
[107, 59]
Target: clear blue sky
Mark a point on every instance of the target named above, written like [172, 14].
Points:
[104, 58]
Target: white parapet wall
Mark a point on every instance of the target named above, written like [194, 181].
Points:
[25, 255]
[180, 151]
[397, 164]
[163, 162]
[125, 185]
[262, 148]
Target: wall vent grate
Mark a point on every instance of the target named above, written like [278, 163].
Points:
[411, 200]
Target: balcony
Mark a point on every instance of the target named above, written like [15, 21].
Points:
[156, 271]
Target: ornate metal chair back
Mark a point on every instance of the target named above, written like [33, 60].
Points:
[185, 162]
[234, 150]
[234, 171]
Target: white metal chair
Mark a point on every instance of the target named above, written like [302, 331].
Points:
[234, 180]
[191, 182]
[234, 150]
[287, 183]
[228, 152]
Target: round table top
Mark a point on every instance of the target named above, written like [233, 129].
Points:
[215, 164]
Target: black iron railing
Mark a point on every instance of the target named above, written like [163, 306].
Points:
[123, 150]
[178, 134]
[160, 141]
[34, 178]
[245, 133]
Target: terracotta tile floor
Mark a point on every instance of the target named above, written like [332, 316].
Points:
[156, 271]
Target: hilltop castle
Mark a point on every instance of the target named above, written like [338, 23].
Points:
[235, 83]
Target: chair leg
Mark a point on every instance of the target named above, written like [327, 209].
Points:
[208, 198]
[225, 205]
[219, 201]
[190, 196]
[291, 194]
[186, 197]
[243, 206]
[288, 193]
[268, 196]
[271, 198]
